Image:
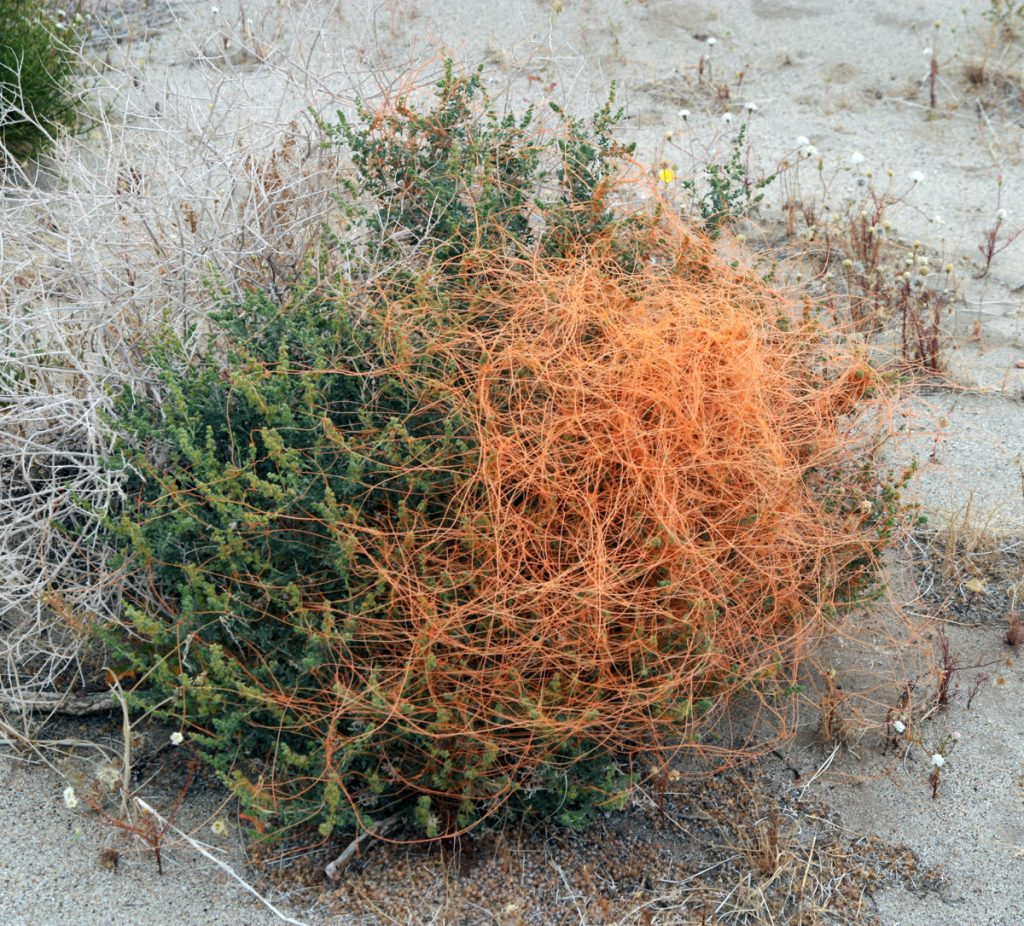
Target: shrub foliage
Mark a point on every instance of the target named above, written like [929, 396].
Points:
[37, 64]
[520, 487]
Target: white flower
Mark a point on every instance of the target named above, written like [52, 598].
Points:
[751, 107]
[1000, 214]
[899, 726]
[711, 40]
[927, 52]
[177, 738]
[683, 114]
[727, 118]
[856, 158]
[215, 10]
[70, 798]
[955, 736]
[108, 775]
[802, 141]
[218, 827]
[809, 151]
[938, 760]
[916, 176]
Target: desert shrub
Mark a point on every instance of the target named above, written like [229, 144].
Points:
[521, 487]
[37, 63]
[459, 177]
[727, 191]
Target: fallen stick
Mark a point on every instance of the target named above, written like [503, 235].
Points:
[95, 702]
[380, 828]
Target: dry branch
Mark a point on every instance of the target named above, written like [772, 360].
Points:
[380, 828]
[71, 705]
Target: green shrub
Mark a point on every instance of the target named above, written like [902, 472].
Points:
[316, 592]
[37, 65]
[727, 191]
[459, 177]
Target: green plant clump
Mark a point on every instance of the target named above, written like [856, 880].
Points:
[728, 191]
[37, 66]
[307, 596]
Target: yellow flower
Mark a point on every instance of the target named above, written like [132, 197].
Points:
[219, 827]
[666, 175]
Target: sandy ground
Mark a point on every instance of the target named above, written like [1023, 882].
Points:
[52, 870]
[848, 76]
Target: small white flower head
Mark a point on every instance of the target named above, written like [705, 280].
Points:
[916, 177]
[751, 107]
[711, 41]
[927, 52]
[668, 135]
[683, 114]
[938, 760]
[809, 151]
[947, 268]
[955, 736]
[899, 726]
[218, 827]
[802, 141]
[177, 738]
[70, 798]
[727, 118]
[215, 10]
[1000, 214]
[856, 158]
[109, 777]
